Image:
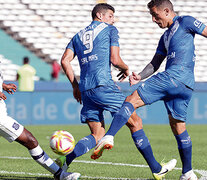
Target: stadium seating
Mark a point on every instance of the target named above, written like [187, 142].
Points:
[45, 27]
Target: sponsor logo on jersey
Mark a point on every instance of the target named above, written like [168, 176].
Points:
[197, 23]
[92, 57]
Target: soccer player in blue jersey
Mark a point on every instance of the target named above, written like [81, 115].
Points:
[175, 85]
[97, 47]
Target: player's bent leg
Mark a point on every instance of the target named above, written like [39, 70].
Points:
[165, 169]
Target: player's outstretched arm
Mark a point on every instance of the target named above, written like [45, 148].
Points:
[119, 63]
[9, 88]
[67, 57]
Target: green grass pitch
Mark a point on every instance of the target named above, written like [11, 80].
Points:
[122, 162]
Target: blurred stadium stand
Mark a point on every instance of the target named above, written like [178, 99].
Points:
[46, 26]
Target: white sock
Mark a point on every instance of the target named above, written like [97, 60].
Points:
[43, 159]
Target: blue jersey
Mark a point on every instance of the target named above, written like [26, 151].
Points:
[177, 44]
[92, 47]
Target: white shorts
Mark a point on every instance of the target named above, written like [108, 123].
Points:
[10, 129]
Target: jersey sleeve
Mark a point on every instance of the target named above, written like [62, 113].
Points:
[161, 47]
[71, 46]
[114, 36]
[193, 25]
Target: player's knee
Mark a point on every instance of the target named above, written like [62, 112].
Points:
[177, 126]
[135, 100]
[31, 141]
[134, 123]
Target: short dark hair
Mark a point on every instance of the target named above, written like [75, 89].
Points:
[100, 7]
[25, 60]
[158, 3]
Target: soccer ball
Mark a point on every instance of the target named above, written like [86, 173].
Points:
[62, 142]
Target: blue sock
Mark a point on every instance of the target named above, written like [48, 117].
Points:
[120, 118]
[142, 143]
[82, 147]
[185, 150]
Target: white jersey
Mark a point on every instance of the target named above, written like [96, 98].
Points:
[10, 129]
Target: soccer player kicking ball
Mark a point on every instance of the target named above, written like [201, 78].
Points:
[13, 131]
[174, 86]
[97, 47]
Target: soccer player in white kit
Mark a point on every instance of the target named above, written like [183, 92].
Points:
[11, 130]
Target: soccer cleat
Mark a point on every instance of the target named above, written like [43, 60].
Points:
[61, 161]
[190, 175]
[107, 142]
[165, 169]
[68, 176]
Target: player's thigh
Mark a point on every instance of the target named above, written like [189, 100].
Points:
[177, 105]
[154, 88]
[97, 129]
[90, 110]
[108, 98]
[91, 113]
[10, 129]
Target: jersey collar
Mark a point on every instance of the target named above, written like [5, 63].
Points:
[174, 19]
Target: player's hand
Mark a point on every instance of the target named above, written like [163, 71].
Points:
[122, 75]
[77, 94]
[134, 79]
[10, 88]
[2, 96]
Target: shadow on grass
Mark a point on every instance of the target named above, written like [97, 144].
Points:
[9, 177]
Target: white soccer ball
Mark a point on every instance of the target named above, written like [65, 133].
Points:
[62, 142]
